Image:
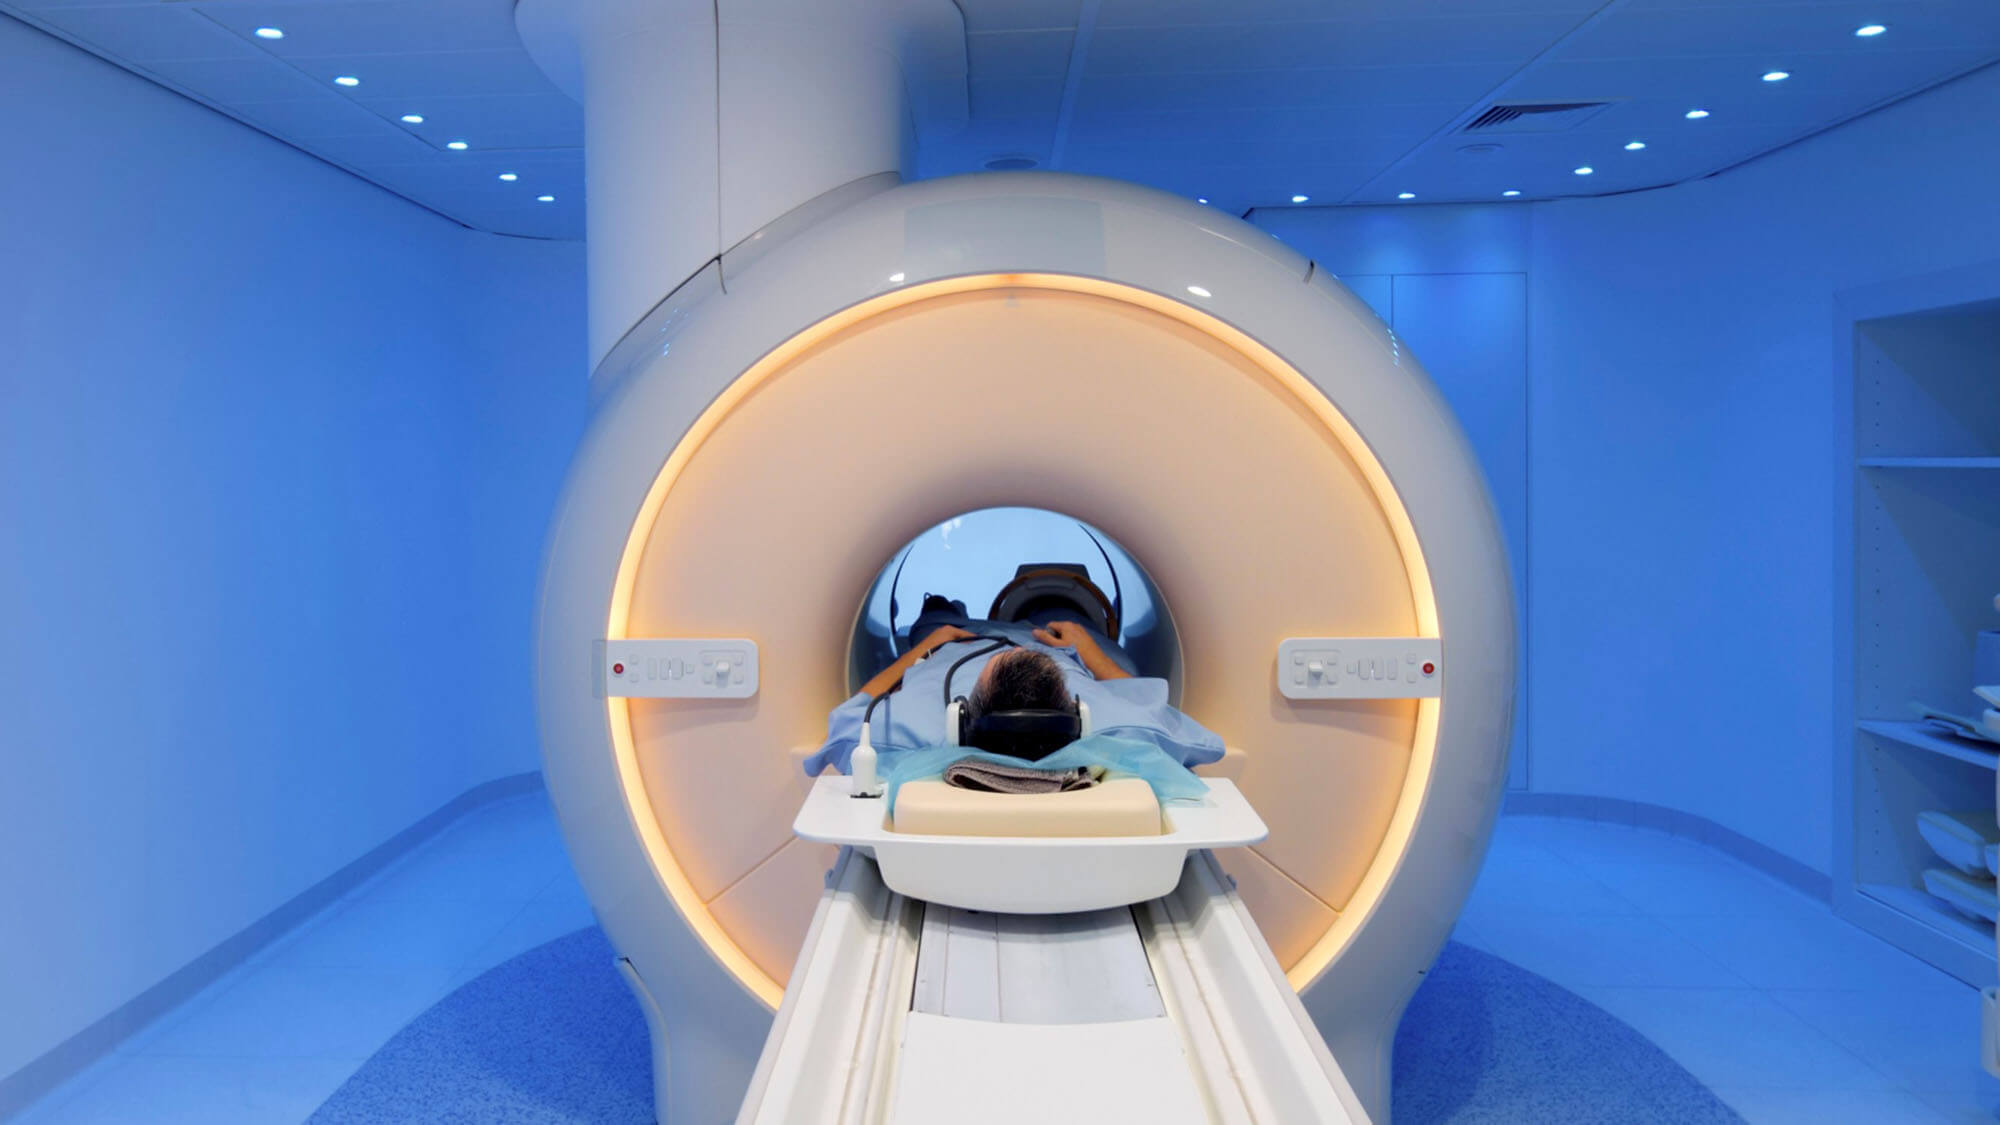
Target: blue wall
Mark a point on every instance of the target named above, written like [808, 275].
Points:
[1684, 407]
[1680, 404]
[277, 450]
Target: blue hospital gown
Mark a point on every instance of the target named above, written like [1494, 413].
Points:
[912, 717]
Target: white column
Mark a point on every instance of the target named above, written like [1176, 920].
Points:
[707, 119]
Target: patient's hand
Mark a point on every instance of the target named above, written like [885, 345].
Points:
[1068, 634]
[888, 677]
[943, 635]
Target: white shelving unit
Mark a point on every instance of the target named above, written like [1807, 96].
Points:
[1920, 466]
[1917, 736]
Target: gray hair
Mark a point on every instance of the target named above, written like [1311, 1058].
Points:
[1020, 679]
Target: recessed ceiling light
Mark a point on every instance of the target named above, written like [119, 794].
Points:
[1696, 114]
[347, 80]
[1199, 291]
[1585, 170]
[1300, 198]
[1870, 30]
[1634, 146]
[1511, 192]
[457, 146]
[269, 33]
[510, 177]
[413, 119]
[1406, 195]
[545, 199]
[1776, 75]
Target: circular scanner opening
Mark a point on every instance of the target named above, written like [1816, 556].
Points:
[1015, 564]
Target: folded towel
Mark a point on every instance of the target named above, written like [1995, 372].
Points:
[995, 777]
[1959, 726]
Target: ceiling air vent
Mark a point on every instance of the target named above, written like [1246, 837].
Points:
[1533, 117]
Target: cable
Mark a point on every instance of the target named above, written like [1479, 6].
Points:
[868, 716]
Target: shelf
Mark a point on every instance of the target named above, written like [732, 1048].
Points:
[1914, 735]
[1919, 906]
[1919, 422]
[1930, 462]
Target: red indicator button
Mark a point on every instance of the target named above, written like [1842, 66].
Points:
[619, 669]
[1429, 668]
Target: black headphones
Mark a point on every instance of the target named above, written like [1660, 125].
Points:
[1028, 733]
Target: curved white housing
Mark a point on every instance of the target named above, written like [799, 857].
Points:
[1238, 420]
[705, 122]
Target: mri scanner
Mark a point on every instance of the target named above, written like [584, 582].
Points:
[775, 420]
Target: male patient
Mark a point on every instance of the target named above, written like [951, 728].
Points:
[1054, 661]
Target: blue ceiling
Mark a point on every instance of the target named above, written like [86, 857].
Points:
[1244, 102]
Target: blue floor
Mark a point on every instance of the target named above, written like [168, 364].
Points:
[553, 1037]
[1788, 1014]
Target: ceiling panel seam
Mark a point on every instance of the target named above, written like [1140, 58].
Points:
[1079, 53]
[139, 71]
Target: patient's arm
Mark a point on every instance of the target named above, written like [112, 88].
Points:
[1068, 634]
[892, 675]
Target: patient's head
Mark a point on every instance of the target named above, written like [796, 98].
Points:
[1017, 680]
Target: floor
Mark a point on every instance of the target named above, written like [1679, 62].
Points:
[1787, 1013]
[270, 1041]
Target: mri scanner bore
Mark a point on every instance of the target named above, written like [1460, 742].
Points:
[1041, 670]
[992, 563]
[1340, 626]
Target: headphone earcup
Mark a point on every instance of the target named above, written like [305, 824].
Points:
[964, 712]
